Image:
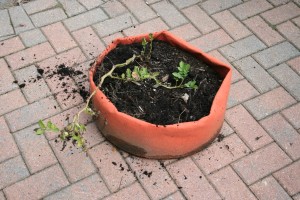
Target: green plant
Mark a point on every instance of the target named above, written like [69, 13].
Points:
[74, 130]
[46, 127]
[181, 74]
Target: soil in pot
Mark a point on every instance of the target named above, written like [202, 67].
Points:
[160, 105]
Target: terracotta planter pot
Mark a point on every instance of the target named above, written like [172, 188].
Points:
[163, 142]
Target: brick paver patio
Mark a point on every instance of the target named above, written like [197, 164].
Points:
[259, 158]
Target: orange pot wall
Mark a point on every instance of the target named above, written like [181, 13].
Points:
[172, 141]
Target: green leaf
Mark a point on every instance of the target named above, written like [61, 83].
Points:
[177, 75]
[41, 124]
[151, 36]
[191, 84]
[144, 42]
[123, 76]
[39, 131]
[54, 128]
[128, 73]
[89, 111]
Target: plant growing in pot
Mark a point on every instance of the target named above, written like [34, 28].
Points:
[157, 97]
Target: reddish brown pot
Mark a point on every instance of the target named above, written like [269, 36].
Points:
[172, 141]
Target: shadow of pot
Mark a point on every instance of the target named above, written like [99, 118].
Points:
[148, 140]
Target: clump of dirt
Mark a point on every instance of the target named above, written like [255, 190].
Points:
[159, 105]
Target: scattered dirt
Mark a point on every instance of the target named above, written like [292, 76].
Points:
[64, 73]
[220, 137]
[159, 105]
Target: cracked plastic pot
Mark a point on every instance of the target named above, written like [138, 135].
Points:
[161, 142]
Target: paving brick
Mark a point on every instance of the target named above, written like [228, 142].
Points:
[278, 2]
[38, 185]
[50, 66]
[112, 168]
[297, 21]
[92, 135]
[85, 19]
[247, 128]
[239, 92]
[10, 46]
[226, 129]
[169, 14]
[2, 196]
[183, 4]
[291, 32]
[295, 64]
[89, 42]
[191, 181]
[11, 101]
[44, 108]
[213, 6]
[8, 147]
[254, 73]
[89, 188]
[269, 189]
[72, 159]
[281, 13]
[200, 19]
[236, 76]
[242, 48]
[230, 24]
[114, 25]
[177, 195]
[288, 79]
[20, 20]
[72, 7]
[250, 8]
[6, 27]
[292, 114]
[35, 87]
[28, 143]
[108, 39]
[262, 30]
[140, 10]
[48, 17]
[6, 78]
[68, 98]
[38, 6]
[6, 37]
[269, 103]
[151, 26]
[127, 193]
[297, 196]
[220, 154]
[12, 171]
[276, 54]
[212, 40]
[228, 183]
[59, 37]
[89, 4]
[261, 163]
[153, 177]
[32, 37]
[30, 55]
[186, 32]
[114, 8]
[284, 135]
[288, 178]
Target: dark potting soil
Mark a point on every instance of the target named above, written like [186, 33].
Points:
[160, 106]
